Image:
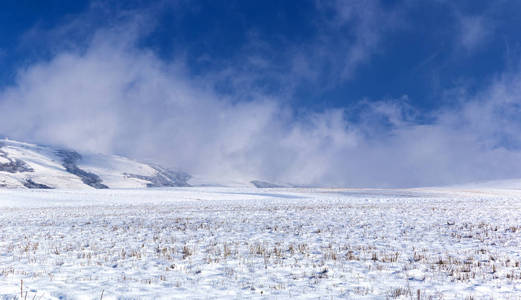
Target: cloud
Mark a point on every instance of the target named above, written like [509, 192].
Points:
[474, 31]
[364, 25]
[115, 97]
[345, 35]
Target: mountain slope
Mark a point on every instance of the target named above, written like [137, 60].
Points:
[24, 165]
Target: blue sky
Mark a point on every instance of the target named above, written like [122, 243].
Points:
[338, 86]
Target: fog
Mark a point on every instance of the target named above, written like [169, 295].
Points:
[117, 98]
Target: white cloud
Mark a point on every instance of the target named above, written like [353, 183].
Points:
[346, 35]
[474, 31]
[365, 24]
[113, 97]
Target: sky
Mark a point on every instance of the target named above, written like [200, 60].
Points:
[323, 93]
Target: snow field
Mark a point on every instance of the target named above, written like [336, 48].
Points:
[249, 243]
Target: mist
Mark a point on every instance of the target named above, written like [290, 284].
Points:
[114, 97]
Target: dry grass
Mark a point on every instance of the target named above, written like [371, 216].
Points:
[329, 246]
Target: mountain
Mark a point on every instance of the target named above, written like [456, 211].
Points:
[265, 185]
[24, 165]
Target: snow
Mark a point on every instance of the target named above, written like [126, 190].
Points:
[47, 167]
[114, 171]
[213, 242]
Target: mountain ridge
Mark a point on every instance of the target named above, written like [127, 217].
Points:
[25, 165]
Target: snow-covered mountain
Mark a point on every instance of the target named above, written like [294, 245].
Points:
[24, 165]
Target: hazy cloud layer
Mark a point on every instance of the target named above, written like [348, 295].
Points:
[115, 97]
[475, 30]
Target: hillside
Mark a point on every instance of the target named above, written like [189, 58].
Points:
[24, 165]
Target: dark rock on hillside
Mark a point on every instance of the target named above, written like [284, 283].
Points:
[264, 185]
[14, 165]
[30, 184]
[69, 160]
[164, 178]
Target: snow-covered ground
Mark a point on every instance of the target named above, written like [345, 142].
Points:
[250, 243]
